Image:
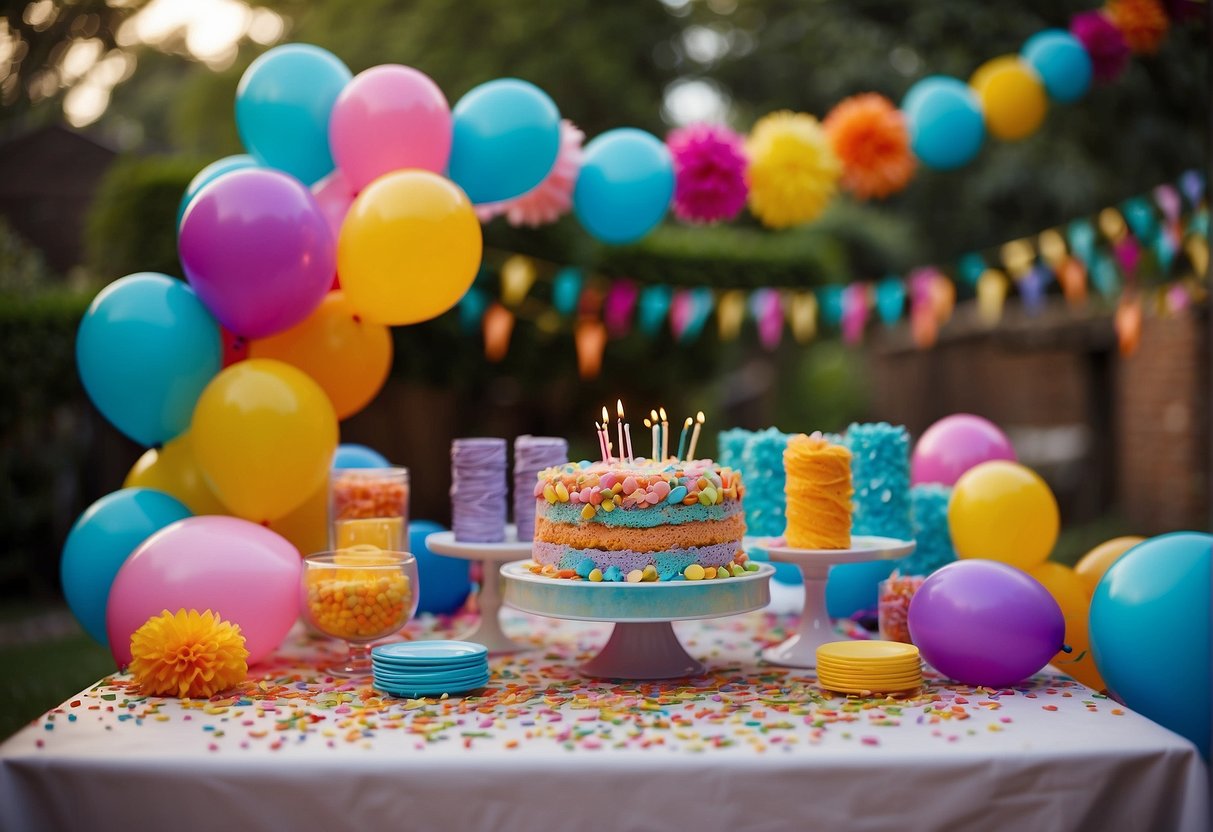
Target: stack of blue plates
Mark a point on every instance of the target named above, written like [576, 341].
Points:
[429, 668]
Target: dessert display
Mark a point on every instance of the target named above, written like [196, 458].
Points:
[880, 470]
[369, 507]
[818, 493]
[478, 489]
[893, 608]
[533, 454]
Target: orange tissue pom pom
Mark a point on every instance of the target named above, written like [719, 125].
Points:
[870, 137]
[188, 654]
[1142, 23]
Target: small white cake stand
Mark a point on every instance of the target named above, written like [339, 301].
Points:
[816, 628]
[490, 555]
[642, 644]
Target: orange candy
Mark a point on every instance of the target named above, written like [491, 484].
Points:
[356, 497]
[358, 604]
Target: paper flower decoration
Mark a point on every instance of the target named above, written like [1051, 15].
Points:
[1142, 23]
[552, 198]
[1103, 42]
[709, 170]
[793, 171]
[871, 140]
[187, 654]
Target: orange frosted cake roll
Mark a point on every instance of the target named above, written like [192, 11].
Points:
[819, 493]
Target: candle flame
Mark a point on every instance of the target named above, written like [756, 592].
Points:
[647, 423]
[663, 417]
[597, 426]
[606, 419]
[619, 407]
[699, 417]
[687, 423]
[653, 416]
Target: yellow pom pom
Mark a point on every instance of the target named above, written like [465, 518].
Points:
[188, 654]
[793, 172]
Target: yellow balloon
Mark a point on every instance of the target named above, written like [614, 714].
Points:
[1095, 563]
[347, 356]
[1003, 511]
[409, 248]
[306, 526]
[174, 470]
[264, 435]
[1012, 97]
[1070, 593]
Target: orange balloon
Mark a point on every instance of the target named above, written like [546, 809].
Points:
[347, 356]
[1095, 563]
[307, 526]
[173, 470]
[1071, 594]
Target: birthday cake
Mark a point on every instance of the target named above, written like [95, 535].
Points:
[639, 521]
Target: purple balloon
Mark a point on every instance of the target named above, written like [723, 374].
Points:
[258, 251]
[981, 622]
[955, 444]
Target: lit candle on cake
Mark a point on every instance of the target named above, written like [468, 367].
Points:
[606, 431]
[699, 420]
[656, 433]
[682, 440]
[601, 434]
[665, 436]
[649, 424]
[625, 450]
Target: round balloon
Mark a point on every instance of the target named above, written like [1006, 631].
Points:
[257, 249]
[409, 249]
[100, 542]
[625, 185]
[388, 118]
[347, 356]
[945, 121]
[243, 572]
[955, 444]
[985, 623]
[855, 587]
[264, 434]
[283, 104]
[1012, 97]
[350, 455]
[1003, 511]
[173, 469]
[506, 136]
[145, 350]
[444, 582]
[334, 196]
[212, 171]
[1092, 566]
[1061, 62]
[1150, 632]
[1071, 594]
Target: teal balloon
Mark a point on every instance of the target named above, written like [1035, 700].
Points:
[443, 583]
[100, 542]
[971, 267]
[855, 587]
[1150, 632]
[1141, 219]
[1062, 63]
[945, 120]
[654, 308]
[890, 300]
[145, 350]
[283, 104]
[350, 455]
[566, 290]
[625, 185]
[829, 301]
[212, 171]
[506, 136]
[1080, 234]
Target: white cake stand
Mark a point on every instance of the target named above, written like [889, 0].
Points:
[490, 555]
[642, 644]
[816, 628]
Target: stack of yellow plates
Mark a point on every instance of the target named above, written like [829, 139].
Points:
[869, 667]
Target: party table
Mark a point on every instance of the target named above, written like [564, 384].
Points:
[746, 747]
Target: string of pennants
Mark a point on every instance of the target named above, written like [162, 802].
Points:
[1149, 254]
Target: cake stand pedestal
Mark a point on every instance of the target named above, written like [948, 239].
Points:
[816, 628]
[490, 555]
[642, 644]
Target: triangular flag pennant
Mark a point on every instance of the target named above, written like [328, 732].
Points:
[891, 299]
[517, 277]
[854, 312]
[1072, 275]
[618, 305]
[730, 313]
[803, 316]
[1128, 323]
[590, 338]
[498, 326]
[991, 296]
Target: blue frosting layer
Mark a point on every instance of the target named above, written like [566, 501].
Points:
[643, 518]
[880, 475]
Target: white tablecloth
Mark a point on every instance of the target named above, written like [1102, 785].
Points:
[750, 747]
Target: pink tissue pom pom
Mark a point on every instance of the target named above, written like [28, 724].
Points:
[1103, 42]
[709, 170]
[552, 198]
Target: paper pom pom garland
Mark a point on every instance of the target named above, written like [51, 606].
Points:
[552, 198]
[188, 654]
[1142, 23]
[1103, 42]
[709, 170]
[870, 137]
[793, 170]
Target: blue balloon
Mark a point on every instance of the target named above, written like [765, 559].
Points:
[100, 542]
[349, 455]
[1150, 632]
[890, 299]
[283, 106]
[506, 138]
[566, 290]
[212, 171]
[145, 350]
[443, 583]
[1062, 63]
[946, 124]
[855, 587]
[625, 185]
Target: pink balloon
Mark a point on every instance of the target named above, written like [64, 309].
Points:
[334, 194]
[243, 572]
[955, 444]
[389, 118]
[257, 250]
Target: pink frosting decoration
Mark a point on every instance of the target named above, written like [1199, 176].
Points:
[709, 170]
[1103, 42]
[552, 198]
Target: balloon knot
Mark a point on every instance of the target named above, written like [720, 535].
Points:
[357, 319]
[1065, 648]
